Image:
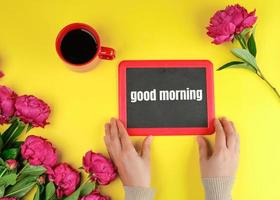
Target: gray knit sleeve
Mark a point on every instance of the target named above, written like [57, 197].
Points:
[138, 193]
[218, 188]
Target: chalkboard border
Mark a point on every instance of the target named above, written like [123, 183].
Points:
[124, 65]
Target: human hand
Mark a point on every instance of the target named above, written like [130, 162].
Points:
[223, 160]
[133, 167]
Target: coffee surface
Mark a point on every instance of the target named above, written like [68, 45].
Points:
[78, 46]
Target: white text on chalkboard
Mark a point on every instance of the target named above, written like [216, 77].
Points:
[166, 95]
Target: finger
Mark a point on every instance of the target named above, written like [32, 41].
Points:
[220, 139]
[107, 129]
[107, 144]
[237, 144]
[233, 126]
[146, 148]
[114, 136]
[124, 138]
[107, 138]
[229, 132]
[203, 147]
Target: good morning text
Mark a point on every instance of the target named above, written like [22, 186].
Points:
[166, 95]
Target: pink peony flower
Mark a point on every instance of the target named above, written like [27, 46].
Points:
[38, 151]
[226, 23]
[95, 195]
[101, 169]
[7, 104]
[11, 164]
[8, 198]
[32, 110]
[65, 178]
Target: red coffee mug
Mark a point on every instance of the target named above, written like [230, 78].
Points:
[105, 53]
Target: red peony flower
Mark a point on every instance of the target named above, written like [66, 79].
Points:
[101, 169]
[65, 178]
[230, 21]
[32, 110]
[38, 151]
[11, 164]
[95, 195]
[8, 198]
[7, 104]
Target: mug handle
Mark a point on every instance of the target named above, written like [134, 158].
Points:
[107, 53]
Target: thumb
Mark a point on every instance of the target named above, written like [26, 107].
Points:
[203, 147]
[146, 148]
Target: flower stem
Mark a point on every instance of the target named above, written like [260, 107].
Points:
[260, 74]
[241, 41]
[4, 171]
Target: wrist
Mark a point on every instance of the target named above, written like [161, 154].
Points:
[138, 193]
[218, 188]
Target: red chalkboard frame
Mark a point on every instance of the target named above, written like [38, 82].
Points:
[168, 64]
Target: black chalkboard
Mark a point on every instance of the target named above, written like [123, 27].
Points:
[169, 97]
[175, 113]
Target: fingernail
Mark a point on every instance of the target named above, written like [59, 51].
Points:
[199, 139]
[150, 138]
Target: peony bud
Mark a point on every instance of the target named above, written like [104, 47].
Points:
[11, 164]
[41, 180]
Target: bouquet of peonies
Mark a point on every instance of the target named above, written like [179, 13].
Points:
[234, 23]
[34, 163]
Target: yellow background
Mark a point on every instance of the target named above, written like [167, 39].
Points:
[148, 29]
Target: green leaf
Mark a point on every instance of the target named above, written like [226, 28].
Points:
[1, 143]
[10, 154]
[54, 197]
[22, 187]
[10, 130]
[252, 45]
[9, 179]
[50, 190]
[16, 144]
[229, 65]
[37, 194]
[30, 170]
[87, 188]
[29, 127]
[2, 162]
[15, 134]
[246, 56]
[2, 191]
[74, 196]
[237, 64]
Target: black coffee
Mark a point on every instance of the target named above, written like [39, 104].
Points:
[78, 46]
